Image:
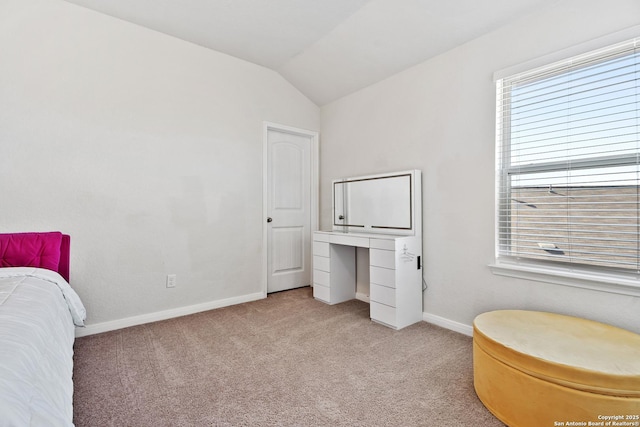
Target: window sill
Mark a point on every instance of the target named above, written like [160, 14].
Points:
[593, 281]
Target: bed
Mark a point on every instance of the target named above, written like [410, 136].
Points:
[38, 314]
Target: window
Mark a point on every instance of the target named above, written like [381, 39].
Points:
[568, 153]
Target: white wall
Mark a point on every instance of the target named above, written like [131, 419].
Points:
[439, 117]
[145, 148]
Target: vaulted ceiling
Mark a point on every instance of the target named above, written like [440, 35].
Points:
[325, 48]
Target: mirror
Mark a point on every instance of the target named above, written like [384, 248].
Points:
[374, 204]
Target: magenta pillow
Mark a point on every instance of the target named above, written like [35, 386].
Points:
[30, 250]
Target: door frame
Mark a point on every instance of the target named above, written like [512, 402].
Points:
[314, 191]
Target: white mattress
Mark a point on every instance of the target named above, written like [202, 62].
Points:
[38, 310]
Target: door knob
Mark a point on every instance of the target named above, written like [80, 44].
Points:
[269, 219]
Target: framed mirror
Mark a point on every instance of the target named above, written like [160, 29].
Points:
[375, 204]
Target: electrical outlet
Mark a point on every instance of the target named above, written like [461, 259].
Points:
[171, 280]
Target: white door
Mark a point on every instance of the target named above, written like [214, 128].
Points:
[288, 207]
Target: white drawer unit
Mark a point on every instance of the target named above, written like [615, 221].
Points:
[321, 268]
[395, 274]
[333, 264]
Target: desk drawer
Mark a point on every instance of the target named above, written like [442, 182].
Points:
[321, 277]
[388, 244]
[321, 248]
[382, 258]
[382, 294]
[321, 292]
[321, 237]
[347, 240]
[383, 313]
[382, 276]
[321, 263]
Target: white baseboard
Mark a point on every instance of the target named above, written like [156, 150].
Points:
[448, 324]
[164, 315]
[197, 308]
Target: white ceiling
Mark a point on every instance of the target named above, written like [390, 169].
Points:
[326, 48]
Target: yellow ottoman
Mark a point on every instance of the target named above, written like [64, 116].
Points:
[535, 369]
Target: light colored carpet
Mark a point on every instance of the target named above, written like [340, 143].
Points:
[287, 360]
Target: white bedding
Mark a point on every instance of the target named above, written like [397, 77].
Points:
[38, 310]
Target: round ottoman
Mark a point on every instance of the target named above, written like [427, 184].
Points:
[536, 369]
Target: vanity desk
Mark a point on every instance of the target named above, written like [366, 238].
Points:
[383, 214]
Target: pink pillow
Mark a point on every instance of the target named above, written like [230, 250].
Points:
[30, 250]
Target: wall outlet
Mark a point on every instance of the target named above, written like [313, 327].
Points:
[171, 280]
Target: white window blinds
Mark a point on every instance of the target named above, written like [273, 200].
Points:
[568, 152]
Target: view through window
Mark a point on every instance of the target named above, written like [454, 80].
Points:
[569, 162]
